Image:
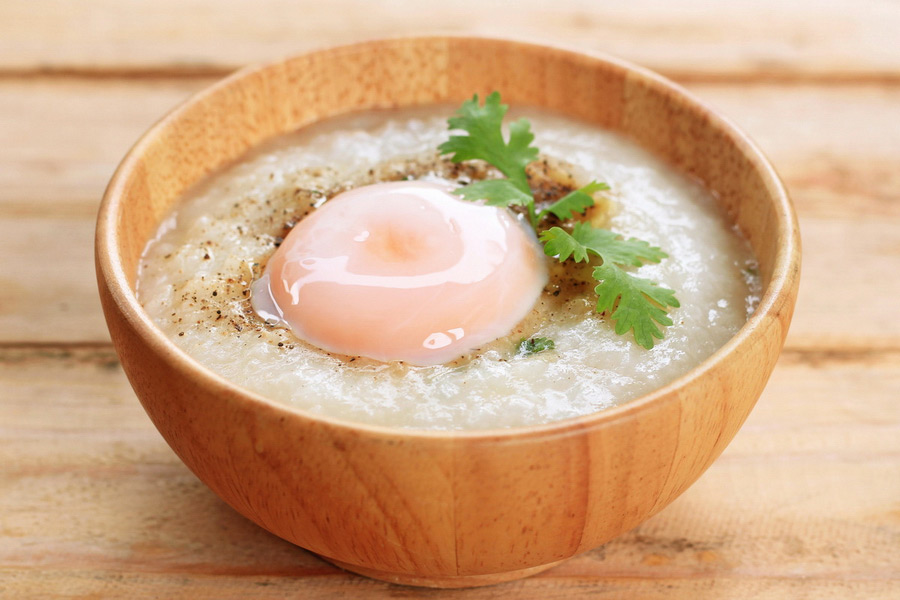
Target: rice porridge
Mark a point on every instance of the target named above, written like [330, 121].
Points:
[195, 279]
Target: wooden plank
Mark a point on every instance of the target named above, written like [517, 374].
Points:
[825, 141]
[97, 583]
[829, 143]
[48, 289]
[768, 38]
[67, 137]
[93, 503]
[848, 289]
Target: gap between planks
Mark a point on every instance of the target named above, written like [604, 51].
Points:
[201, 71]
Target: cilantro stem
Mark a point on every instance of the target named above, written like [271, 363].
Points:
[534, 218]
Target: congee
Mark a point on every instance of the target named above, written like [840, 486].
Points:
[203, 278]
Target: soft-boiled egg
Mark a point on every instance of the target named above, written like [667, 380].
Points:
[402, 271]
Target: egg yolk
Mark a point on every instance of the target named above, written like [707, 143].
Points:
[402, 271]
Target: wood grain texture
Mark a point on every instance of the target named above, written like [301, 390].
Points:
[802, 505]
[94, 504]
[764, 39]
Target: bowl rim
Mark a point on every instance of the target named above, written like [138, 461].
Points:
[782, 285]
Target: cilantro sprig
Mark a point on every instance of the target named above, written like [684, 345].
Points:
[633, 303]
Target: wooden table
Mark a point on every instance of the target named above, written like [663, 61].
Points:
[805, 503]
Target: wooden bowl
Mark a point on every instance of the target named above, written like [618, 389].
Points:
[448, 509]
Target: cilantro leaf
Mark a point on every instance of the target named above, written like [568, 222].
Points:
[559, 243]
[609, 246]
[634, 303]
[485, 139]
[575, 202]
[495, 192]
[527, 347]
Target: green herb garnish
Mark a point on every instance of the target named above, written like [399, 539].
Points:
[535, 345]
[633, 303]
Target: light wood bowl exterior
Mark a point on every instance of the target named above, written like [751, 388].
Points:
[447, 509]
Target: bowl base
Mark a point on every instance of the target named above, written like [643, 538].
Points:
[448, 581]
